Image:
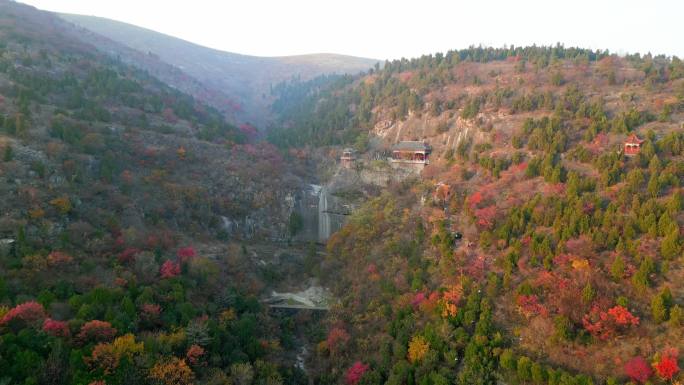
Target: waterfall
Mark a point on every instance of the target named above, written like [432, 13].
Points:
[227, 225]
[323, 215]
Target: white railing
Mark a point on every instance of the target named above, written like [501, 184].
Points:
[409, 161]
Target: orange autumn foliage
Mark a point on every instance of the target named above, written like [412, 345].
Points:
[108, 355]
[62, 204]
[173, 371]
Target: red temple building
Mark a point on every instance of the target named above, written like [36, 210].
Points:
[633, 145]
[411, 152]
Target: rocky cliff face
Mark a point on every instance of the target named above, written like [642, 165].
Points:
[324, 208]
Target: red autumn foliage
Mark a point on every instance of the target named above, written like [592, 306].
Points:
[551, 281]
[405, 76]
[149, 314]
[56, 328]
[127, 176]
[430, 302]
[526, 240]
[554, 189]
[518, 168]
[119, 240]
[562, 260]
[248, 130]
[604, 325]
[28, 313]
[170, 269]
[59, 258]
[163, 240]
[151, 309]
[418, 299]
[599, 143]
[185, 254]
[194, 354]
[622, 316]
[476, 267]
[96, 330]
[666, 368]
[475, 199]
[529, 305]
[336, 338]
[355, 373]
[128, 255]
[638, 369]
[169, 115]
[485, 216]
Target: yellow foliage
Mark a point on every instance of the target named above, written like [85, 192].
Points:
[181, 152]
[157, 176]
[418, 348]
[36, 213]
[173, 340]
[450, 310]
[580, 264]
[63, 204]
[322, 347]
[34, 262]
[126, 345]
[227, 315]
[3, 311]
[172, 372]
[108, 355]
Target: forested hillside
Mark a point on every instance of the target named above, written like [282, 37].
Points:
[115, 191]
[570, 265]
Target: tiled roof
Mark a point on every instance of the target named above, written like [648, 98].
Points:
[634, 139]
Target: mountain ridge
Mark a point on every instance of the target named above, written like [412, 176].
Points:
[243, 78]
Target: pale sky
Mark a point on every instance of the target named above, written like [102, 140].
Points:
[390, 29]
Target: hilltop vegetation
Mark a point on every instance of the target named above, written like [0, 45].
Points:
[518, 79]
[570, 266]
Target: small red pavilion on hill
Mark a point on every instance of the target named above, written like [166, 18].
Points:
[348, 157]
[633, 145]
